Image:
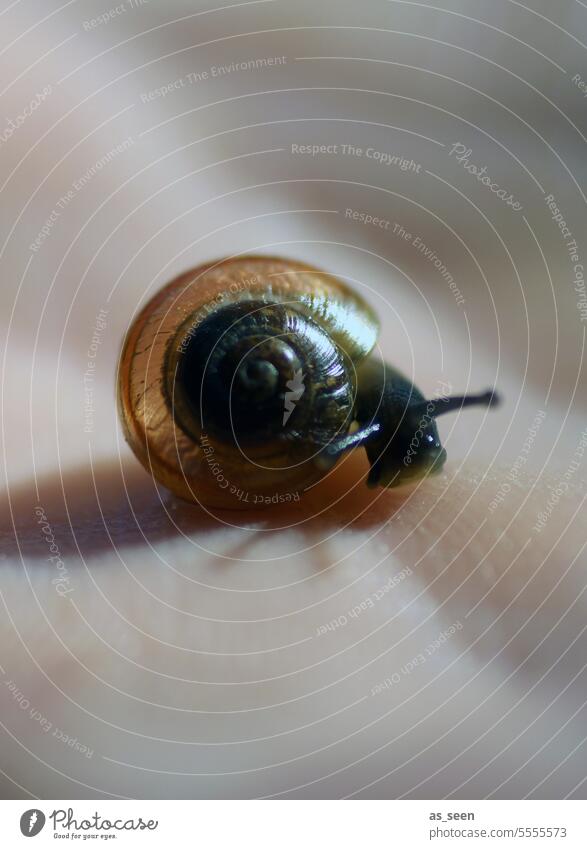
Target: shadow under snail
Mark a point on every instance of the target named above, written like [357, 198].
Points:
[244, 381]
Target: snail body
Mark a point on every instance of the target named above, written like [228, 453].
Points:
[242, 382]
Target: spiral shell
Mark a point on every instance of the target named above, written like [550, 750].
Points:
[237, 374]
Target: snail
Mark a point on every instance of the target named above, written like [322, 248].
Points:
[244, 381]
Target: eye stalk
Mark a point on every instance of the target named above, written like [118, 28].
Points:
[397, 425]
[440, 406]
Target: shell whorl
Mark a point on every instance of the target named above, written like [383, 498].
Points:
[164, 423]
[264, 377]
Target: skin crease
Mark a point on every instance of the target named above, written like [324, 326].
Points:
[178, 654]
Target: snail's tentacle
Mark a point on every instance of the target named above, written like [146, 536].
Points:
[440, 406]
[358, 438]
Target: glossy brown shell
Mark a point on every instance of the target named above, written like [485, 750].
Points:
[186, 467]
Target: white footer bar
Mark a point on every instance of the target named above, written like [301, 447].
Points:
[296, 824]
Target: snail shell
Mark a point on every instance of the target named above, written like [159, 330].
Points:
[237, 375]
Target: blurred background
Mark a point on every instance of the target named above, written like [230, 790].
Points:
[184, 651]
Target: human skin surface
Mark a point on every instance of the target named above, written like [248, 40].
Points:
[289, 708]
[423, 642]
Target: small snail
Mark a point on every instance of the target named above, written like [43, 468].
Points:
[243, 382]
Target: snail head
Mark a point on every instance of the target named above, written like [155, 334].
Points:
[413, 449]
